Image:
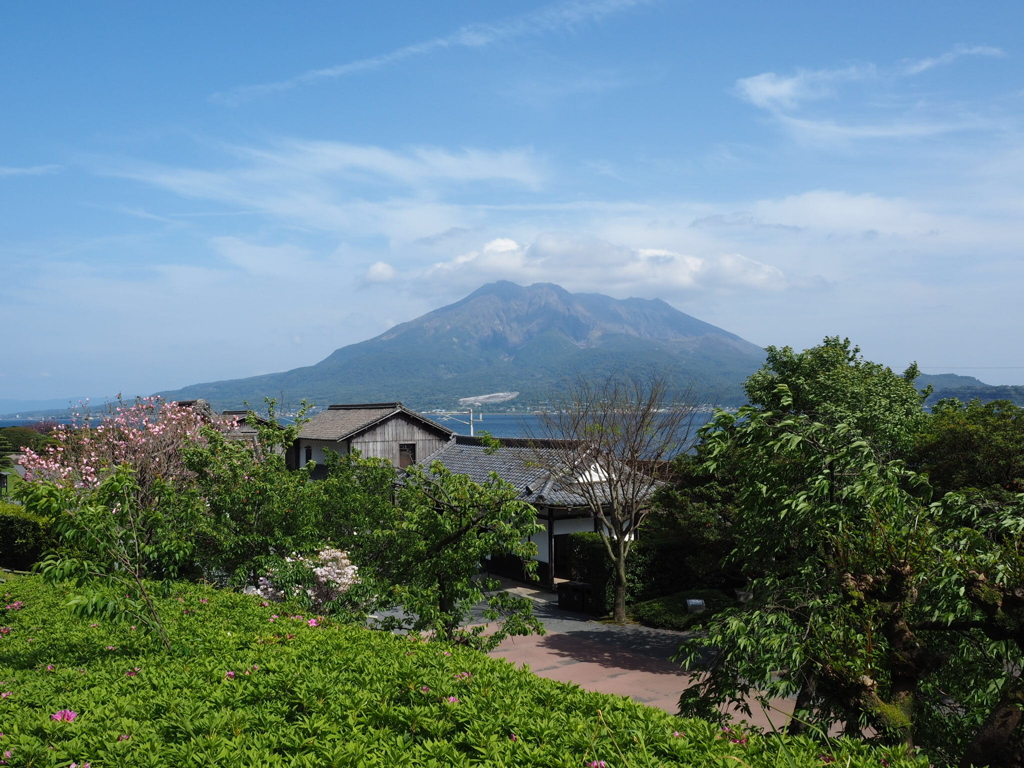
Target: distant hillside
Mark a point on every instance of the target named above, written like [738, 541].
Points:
[502, 338]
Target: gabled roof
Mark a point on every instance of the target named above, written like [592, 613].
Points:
[517, 462]
[340, 422]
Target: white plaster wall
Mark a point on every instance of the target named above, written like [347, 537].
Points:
[574, 525]
[318, 450]
[541, 540]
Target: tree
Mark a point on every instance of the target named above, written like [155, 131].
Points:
[611, 439]
[833, 384]
[973, 445]
[875, 606]
[419, 541]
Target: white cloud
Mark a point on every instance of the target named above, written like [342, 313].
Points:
[380, 272]
[345, 188]
[922, 65]
[822, 107]
[32, 170]
[776, 93]
[565, 15]
[591, 264]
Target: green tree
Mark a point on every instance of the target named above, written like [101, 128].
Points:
[833, 384]
[419, 541]
[5, 449]
[873, 605]
[973, 445]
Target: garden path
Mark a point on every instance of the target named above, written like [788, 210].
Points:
[626, 660]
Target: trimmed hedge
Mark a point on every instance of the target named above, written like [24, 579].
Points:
[671, 612]
[242, 688]
[23, 537]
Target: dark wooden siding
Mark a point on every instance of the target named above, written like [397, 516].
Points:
[383, 440]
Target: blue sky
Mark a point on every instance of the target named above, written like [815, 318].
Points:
[202, 191]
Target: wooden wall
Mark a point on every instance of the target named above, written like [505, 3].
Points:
[383, 441]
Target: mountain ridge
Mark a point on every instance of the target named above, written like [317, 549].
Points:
[504, 337]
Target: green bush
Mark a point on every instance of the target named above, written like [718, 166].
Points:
[23, 537]
[671, 612]
[243, 688]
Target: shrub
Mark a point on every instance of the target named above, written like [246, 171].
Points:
[23, 537]
[671, 612]
[249, 689]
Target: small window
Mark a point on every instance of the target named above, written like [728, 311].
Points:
[406, 455]
[309, 454]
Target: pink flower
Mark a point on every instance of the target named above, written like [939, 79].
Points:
[425, 688]
[452, 699]
[50, 668]
[678, 734]
[597, 764]
[133, 672]
[203, 600]
[229, 675]
[5, 694]
[64, 715]
[123, 737]
[513, 737]
[313, 623]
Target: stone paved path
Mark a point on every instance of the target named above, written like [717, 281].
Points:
[625, 660]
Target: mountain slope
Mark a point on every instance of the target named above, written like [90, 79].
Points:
[505, 337]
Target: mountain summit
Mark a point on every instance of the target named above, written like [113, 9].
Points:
[505, 337]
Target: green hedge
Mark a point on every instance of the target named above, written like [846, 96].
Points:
[240, 690]
[671, 612]
[23, 537]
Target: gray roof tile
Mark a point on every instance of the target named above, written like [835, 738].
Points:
[340, 422]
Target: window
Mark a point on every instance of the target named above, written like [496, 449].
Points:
[309, 454]
[406, 455]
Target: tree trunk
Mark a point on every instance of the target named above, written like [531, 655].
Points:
[804, 699]
[997, 743]
[619, 602]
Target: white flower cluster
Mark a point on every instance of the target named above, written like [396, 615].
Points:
[333, 575]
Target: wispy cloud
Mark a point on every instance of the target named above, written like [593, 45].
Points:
[922, 65]
[32, 170]
[339, 187]
[778, 92]
[551, 18]
[794, 101]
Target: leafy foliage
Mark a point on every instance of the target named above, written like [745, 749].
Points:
[672, 611]
[878, 608]
[833, 384]
[23, 537]
[244, 688]
[973, 445]
[422, 552]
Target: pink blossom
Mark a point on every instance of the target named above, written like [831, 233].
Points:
[64, 715]
[229, 675]
[452, 699]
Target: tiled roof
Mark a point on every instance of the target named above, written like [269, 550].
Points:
[339, 422]
[517, 462]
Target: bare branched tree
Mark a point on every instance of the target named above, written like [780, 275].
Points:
[615, 435]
